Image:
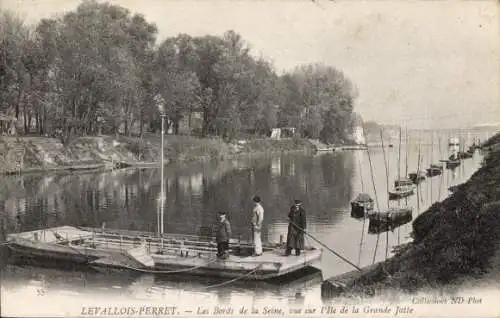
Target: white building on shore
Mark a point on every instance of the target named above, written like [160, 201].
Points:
[357, 133]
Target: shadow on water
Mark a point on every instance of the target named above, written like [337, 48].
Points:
[82, 279]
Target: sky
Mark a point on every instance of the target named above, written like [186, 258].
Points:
[420, 64]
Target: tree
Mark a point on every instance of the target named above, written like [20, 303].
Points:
[101, 63]
[177, 84]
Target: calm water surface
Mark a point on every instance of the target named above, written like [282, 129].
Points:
[126, 199]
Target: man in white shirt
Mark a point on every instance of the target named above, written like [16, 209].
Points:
[257, 219]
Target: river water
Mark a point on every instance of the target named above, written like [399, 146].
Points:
[127, 199]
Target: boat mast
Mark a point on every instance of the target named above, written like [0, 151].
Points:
[387, 182]
[432, 156]
[418, 158]
[441, 175]
[361, 176]
[399, 156]
[406, 171]
[385, 164]
[161, 198]
[375, 192]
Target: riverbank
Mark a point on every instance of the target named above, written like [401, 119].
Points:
[35, 154]
[454, 242]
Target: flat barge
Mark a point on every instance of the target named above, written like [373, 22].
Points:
[108, 249]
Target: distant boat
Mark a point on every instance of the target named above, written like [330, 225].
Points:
[389, 220]
[465, 154]
[434, 170]
[403, 185]
[403, 182]
[401, 192]
[417, 177]
[452, 163]
[362, 205]
[453, 142]
[390, 215]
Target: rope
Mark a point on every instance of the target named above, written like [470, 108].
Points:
[375, 192]
[57, 235]
[387, 183]
[150, 271]
[235, 279]
[325, 246]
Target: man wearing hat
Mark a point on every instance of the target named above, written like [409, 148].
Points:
[257, 220]
[296, 227]
[223, 234]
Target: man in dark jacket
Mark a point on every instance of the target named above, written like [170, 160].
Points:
[295, 237]
[223, 234]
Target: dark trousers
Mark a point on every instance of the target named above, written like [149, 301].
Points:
[222, 247]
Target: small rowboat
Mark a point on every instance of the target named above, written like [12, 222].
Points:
[391, 215]
[465, 154]
[401, 192]
[403, 182]
[417, 177]
[383, 225]
[452, 163]
[150, 253]
[361, 205]
[435, 170]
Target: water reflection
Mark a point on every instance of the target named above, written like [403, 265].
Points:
[326, 183]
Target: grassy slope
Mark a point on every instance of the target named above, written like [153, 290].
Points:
[47, 153]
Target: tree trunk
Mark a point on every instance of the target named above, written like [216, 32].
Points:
[25, 123]
[204, 128]
[42, 123]
[176, 126]
[141, 124]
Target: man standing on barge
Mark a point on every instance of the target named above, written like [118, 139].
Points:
[223, 235]
[296, 227]
[257, 220]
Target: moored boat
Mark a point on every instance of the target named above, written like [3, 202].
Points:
[391, 215]
[417, 177]
[361, 205]
[403, 182]
[465, 154]
[381, 225]
[454, 142]
[166, 254]
[401, 192]
[453, 162]
[434, 170]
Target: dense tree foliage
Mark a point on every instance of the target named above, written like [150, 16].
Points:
[98, 69]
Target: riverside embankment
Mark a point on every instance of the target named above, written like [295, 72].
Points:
[32, 154]
[455, 241]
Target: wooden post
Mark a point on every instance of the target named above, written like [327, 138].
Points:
[121, 242]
